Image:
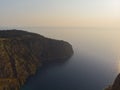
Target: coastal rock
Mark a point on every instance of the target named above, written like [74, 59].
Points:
[21, 53]
[116, 84]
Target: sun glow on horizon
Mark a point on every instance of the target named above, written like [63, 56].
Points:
[63, 13]
[114, 8]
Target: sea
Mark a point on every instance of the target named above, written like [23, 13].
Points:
[94, 65]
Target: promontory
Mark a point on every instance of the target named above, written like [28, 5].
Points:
[22, 52]
[115, 85]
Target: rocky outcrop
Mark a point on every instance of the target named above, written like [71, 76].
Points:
[21, 53]
[116, 84]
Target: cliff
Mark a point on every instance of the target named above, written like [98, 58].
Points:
[116, 84]
[21, 53]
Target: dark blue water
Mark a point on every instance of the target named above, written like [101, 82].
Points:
[75, 74]
[93, 66]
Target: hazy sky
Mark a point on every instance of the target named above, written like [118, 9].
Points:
[62, 13]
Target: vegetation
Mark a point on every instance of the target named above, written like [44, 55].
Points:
[21, 53]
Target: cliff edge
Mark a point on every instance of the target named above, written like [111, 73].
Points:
[21, 53]
[116, 84]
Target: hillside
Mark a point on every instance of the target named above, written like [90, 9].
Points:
[21, 53]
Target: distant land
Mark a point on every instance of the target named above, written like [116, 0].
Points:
[21, 53]
[116, 84]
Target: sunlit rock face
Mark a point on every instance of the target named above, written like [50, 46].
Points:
[21, 53]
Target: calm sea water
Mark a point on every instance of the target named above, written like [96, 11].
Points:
[94, 65]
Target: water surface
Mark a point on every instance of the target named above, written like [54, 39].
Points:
[94, 65]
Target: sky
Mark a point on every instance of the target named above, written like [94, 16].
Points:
[60, 13]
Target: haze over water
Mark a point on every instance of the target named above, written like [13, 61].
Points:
[94, 65]
[96, 59]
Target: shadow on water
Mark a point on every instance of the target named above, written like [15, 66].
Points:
[44, 76]
[93, 66]
[77, 73]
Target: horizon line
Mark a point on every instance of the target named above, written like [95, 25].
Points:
[51, 27]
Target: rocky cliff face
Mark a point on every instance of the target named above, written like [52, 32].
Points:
[21, 53]
[116, 84]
